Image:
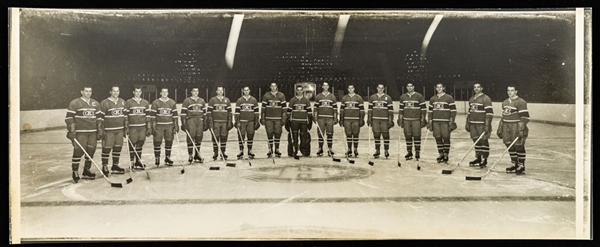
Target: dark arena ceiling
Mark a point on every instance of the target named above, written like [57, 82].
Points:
[62, 50]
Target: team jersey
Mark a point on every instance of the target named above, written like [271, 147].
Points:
[381, 106]
[480, 107]
[299, 108]
[514, 110]
[325, 105]
[352, 107]
[138, 112]
[246, 109]
[219, 109]
[193, 108]
[412, 106]
[84, 114]
[112, 113]
[163, 111]
[273, 105]
[442, 108]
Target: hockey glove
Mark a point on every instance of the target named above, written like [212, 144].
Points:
[309, 124]
[430, 125]
[487, 127]
[256, 122]
[452, 126]
[369, 122]
[335, 120]
[149, 129]
[521, 132]
[362, 123]
[229, 124]
[500, 130]
[205, 124]
[341, 122]
[390, 124]
[175, 128]
[183, 125]
[100, 134]
[125, 132]
[423, 123]
[237, 124]
[262, 120]
[287, 126]
[314, 118]
[401, 122]
[210, 123]
[70, 135]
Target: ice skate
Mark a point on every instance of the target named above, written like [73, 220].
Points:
[269, 154]
[190, 158]
[87, 174]
[138, 165]
[105, 170]
[330, 153]
[520, 170]
[376, 154]
[115, 168]
[157, 161]
[250, 154]
[483, 163]
[75, 176]
[445, 158]
[198, 158]
[349, 153]
[417, 155]
[320, 152]
[387, 154]
[168, 161]
[475, 162]
[240, 155]
[355, 153]
[277, 153]
[408, 156]
[440, 158]
[511, 169]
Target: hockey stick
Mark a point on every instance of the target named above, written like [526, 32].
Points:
[369, 155]
[467, 153]
[346, 148]
[323, 136]
[180, 153]
[196, 150]
[423, 147]
[130, 179]
[119, 185]
[491, 168]
[219, 148]
[138, 156]
[244, 143]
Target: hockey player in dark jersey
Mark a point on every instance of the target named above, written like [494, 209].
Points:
[272, 117]
[138, 115]
[325, 114]
[381, 118]
[299, 114]
[513, 124]
[193, 116]
[352, 117]
[114, 124]
[220, 121]
[442, 112]
[411, 118]
[165, 124]
[246, 120]
[82, 116]
[479, 121]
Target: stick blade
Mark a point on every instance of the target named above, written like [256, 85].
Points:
[214, 168]
[230, 165]
[337, 160]
[116, 185]
[473, 178]
[182, 171]
[129, 180]
[399, 164]
[371, 163]
[351, 161]
[446, 171]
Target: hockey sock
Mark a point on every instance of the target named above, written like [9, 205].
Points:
[349, 140]
[138, 148]
[320, 139]
[223, 142]
[116, 154]
[330, 140]
[485, 148]
[131, 150]
[157, 149]
[270, 140]
[190, 147]
[409, 142]
[520, 153]
[386, 140]
[440, 145]
[105, 155]
[241, 141]
[446, 145]
[250, 141]
[87, 164]
[295, 140]
[513, 152]
[168, 146]
[76, 159]
[355, 141]
[277, 138]
[377, 136]
[417, 141]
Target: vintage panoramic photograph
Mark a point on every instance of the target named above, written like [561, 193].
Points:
[237, 124]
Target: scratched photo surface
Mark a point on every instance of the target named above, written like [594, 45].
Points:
[265, 179]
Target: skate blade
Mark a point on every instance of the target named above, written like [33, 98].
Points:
[88, 178]
[473, 178]
[446, 171]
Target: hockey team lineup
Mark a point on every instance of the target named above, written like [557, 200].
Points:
[115, 122]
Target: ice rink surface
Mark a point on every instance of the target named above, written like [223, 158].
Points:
[310, 198]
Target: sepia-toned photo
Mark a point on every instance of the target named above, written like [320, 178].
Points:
[238, 124]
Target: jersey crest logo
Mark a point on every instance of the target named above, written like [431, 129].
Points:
[410, 104]
[138, 111]
[88, 113]
[195, 107]
[299, 107]
[219, 108]
[325, 103]
[438, 106]
[506, 111]
[273, 103]
[246, 107]
[379, 104]
[473, 107]
[350, 105]
[117, 112]
[165, 111]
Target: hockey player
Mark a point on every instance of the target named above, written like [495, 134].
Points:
[165, 124]
[352, 117]
[273, 111]
[219, 121]
[246, 120]
[381, 118]
[193, 117]
[513, 124]
[325, 115]
[138, 115]
[411, 118]
[300, 114]
[82, 117]
[114, 124]
[479, 120]
[442, 112]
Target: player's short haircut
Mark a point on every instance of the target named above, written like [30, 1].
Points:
[137, 87]
[381, 85]
[111, 87]
[84, 87]
[195, 88]
[410, 84]
[299, 86]
[325, 83]
[513, 86]
[351, 85]
[478, 83]
[444, 86]
[245, 88]
[272, 84]
[222, 88]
